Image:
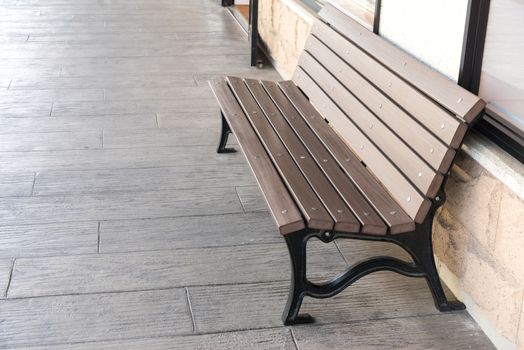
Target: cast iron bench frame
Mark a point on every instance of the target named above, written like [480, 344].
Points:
[243, 102]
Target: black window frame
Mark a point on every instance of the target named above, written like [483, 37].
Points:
[470, 74]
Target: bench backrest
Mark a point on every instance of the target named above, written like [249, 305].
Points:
[403, 119]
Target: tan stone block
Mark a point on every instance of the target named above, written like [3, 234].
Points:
[498, 296]
[284, 31]
[450, 241]
[520, 341]
[509, 243]
[475, 201]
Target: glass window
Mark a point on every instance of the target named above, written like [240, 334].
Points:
[417, 27]
[361, 10]
[502, 76]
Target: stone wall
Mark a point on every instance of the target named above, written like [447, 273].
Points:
[479, 236]
[479, 232]
[284, 26]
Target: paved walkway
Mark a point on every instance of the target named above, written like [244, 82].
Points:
[121, 228]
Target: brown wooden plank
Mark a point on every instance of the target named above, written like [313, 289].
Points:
[422, 108]
[281, 205]
[402, 190]
[311, 207]
[446, 92]
[425, 144]
[410, 164]
[391, 212]
[371, 221]
[343, 216]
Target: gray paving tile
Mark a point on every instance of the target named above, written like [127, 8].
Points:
[163, 269]
[173, 233]
[82, 318]
[60, 50]
[50, 141]
[12, 109]
[113, 158]
[251, 198]
[208, 121]
[28, 68]
[13, 37]
[49, 239]
[26, 96]
[192, 175]
[159, 93]
[355, 250]
[208, 124]
[187, 136]
[108, 81]
[444, 331]
[5, 274]
[198, 48]
[266, 339]
[236, 307]
[150, 65]
[77, 123]
[129, 36]
[16, 184]
[118, 205]
[67, 109]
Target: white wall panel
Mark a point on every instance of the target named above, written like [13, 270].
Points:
[433, 31]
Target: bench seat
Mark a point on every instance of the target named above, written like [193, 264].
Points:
[327, 184]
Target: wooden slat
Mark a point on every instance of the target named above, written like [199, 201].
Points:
[345, 221]
[371, 221]
[422, 108]
[453, 97]
[402, 190]
[281, 205]
[311, 207]
[426, 145]
[391, 212]
[414, 168]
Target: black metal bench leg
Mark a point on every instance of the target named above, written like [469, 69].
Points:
[296, 243]
[421, 246]
[224, 136]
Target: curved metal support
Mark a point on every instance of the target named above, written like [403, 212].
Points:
[296, 243]
[224, 135]
[417, 243]
[381, 263]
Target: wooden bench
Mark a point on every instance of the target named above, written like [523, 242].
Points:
[358, 145]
